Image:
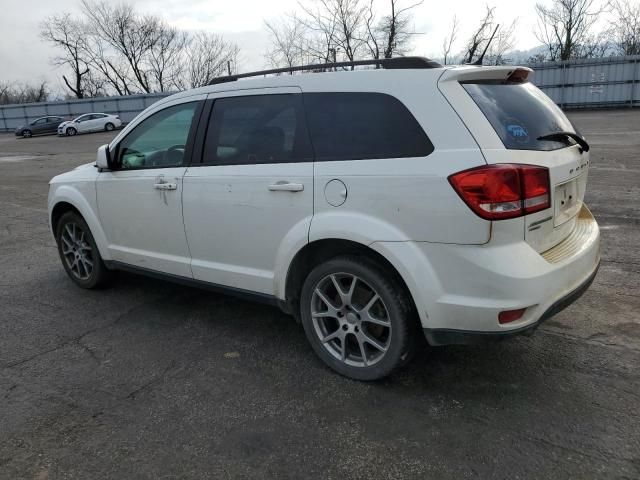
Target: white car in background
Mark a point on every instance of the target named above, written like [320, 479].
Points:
[90, 122]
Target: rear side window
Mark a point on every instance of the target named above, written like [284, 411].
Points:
[520, 113]
[257, 129]
[354, 126]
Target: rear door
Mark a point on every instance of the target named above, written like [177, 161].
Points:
[250, 198]
[52, 124]
[507, 118]
[39, 126]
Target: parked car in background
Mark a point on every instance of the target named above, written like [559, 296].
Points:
[90, 122]
[40, 126]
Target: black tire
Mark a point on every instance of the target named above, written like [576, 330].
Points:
[99, 275]
[394, 300]
[109, 127]
[26, 133]
[71, 132]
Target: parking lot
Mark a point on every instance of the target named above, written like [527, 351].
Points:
[148, 379]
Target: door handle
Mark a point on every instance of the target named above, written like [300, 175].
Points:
[165, 186]
[286, 187]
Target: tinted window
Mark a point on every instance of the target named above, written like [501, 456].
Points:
[83, 118]
[351, 126]
[520, 113]
[256, 129]
[159, 140]
[40, 121]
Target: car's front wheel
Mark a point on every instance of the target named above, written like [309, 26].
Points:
[26, 133]
[357, 317]
[79, 253]
[71, 131]
[109, 127]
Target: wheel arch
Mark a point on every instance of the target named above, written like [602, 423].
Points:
[321, 250]
[68, 199]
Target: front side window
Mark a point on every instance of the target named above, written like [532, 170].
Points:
[360, 125]
[257, 129]
[158, 141]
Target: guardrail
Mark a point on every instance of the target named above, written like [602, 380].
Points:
[587, 83]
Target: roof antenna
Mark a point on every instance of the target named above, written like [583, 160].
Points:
[478, 62]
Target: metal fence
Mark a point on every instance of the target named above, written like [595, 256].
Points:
[12, 116]
[592, 82]
[588, 83]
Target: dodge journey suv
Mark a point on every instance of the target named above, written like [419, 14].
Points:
[374, 205]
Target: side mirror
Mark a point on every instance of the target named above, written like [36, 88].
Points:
[103, 158]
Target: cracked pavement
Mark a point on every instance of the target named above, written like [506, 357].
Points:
[150, 380]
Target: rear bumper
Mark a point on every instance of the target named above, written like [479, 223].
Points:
[444, 336]
[460, 290]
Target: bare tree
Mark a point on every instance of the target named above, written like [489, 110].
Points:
[165, 56]
[449, 40]
[565, 26]
[502, 43]
[394, 28]
[131, 36]
[109, 65]
[287, 41]
[23, 93]
[65, 32]
[207, 56]
[625, 27]
[480, 36]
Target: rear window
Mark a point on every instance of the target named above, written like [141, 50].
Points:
[359, 125]
[520, 113]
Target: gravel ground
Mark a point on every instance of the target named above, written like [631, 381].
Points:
[152, 380]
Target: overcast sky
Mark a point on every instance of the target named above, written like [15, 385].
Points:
[24, 57]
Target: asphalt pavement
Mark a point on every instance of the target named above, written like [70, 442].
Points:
[151, 380]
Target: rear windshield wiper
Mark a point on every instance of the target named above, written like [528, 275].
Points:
[565, 135]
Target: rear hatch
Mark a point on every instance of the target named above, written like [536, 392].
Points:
[508, 115]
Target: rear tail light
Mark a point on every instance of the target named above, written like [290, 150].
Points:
[501, 191]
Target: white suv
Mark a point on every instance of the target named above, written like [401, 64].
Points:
[370, 204]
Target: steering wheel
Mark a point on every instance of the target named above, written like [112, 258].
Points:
[173, 155]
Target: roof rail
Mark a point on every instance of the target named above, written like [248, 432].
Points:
[386, 63]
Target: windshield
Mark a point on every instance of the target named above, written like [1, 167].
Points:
[520, 113]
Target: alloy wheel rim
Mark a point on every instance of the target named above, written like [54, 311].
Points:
[77, 251]
[351, 320]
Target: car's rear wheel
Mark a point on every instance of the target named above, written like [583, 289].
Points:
[356, 317]
[71, 131]
[109, 127]
[26, 133]
[79, 253]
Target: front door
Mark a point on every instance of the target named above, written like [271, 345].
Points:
[251, 197]
[140, 201]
